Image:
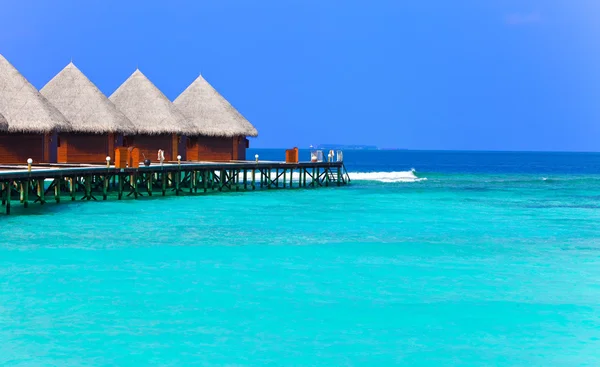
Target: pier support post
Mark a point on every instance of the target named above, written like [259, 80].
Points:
[88, 187]
[304, 180]
[105, 187]
[164, 183]
[149, 182]
[221, 179]
[26, 188]
[72, 187]
[40, 191]
[198, 178]
[192, 181]
[134, 181]
[57, 189]
[268, 178]
[120, 188]
[7, 192]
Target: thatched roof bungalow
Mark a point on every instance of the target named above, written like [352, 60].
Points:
[97, 124]
[158, 122]
[222, 130]
[31, 119]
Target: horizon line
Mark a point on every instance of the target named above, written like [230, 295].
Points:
[450, 150]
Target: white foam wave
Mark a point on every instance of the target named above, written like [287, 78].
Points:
[400, 176]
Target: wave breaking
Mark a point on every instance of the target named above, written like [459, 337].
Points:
[399, 176]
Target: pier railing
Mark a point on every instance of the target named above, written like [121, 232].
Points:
[42, 184]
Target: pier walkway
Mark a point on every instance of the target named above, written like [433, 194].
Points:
[41, 183]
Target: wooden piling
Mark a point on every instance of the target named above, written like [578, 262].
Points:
[121, 178]
[105, 187]
[57, 189]
[40, 191]
[72, 188]
[26, 188]
[88, 187]
[7, 192]
[134, 181]
[149, 183]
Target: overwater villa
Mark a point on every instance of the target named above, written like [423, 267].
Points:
[31, 121]
[158, 123]
[97, 125]
[222, 130]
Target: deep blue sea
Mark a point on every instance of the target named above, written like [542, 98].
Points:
[426, 259]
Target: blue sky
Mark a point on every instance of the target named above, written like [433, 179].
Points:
[417, 74]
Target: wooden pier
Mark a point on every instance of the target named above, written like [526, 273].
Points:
[41, 184]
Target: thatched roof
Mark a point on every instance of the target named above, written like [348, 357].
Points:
[25, 109]
[211, 113]
[3, 123]
[86, 107]
[149, 110]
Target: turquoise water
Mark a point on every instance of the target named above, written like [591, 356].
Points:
[491, 267]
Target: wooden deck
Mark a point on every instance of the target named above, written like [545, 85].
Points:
[94, 182]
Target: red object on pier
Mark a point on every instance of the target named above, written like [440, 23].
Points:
[291, 155]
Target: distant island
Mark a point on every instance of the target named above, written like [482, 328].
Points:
[344, 147]
[350, 147]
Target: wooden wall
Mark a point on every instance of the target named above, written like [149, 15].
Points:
[150, 144]
[209, 148]
[191, 148]
[17, 148]
[85, 148]
[242, 145]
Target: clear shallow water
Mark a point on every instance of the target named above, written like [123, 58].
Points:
[483, 263]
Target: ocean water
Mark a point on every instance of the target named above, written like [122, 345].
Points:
[426, 259]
